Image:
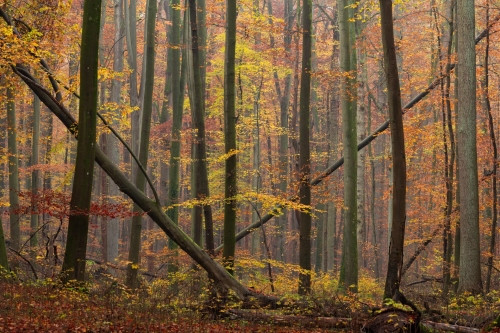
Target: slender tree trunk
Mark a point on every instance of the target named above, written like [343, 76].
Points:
[113, 224]
[376, 245]
[201, 172]
[230, 138]
[76, 246]
[396, 246]
[15, 228]
[305, 156]
[35, 174]
[140, 181]
[349, 266]
[177, 88]
[284, 100]
[495, 155]
[470, 269]
[131, 38]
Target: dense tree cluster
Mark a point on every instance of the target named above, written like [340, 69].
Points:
[252, 118]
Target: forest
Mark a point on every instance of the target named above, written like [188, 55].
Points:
[250, 165]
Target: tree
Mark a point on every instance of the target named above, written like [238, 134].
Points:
[305, 155]
[396, 246]
[177, 100]
[349, 266]
[15, 227]
[140, 180]
[230, 137]
[76, 249]
[470, 269]
[113, 152]
[201, 173]
[35, 175]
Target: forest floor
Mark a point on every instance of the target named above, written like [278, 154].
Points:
[104, 305]
[46, 307]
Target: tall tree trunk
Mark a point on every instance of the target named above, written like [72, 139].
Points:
[396, 246]
[113, 224]
[376, 245]
[177, 87]
[349, 266]
[230, 190]
[76, 246]
[201, 172]
[140, 180]
[15, 229]
[449, 172]
[470, 263]
[305, 155]
[495, 154]
[284, 101]
[361, 128]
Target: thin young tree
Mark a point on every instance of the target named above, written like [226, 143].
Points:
[495, 154]
[13, 158]
[76, 249]
[35, 174]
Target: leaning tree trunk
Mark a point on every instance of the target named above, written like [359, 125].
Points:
[398, 152]
[140, 180]
[76, 246]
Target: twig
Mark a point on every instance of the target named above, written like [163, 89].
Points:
[29, 262]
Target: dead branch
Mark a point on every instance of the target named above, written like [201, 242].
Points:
[449, 327]
[321, 322]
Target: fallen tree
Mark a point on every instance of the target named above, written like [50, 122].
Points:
[153, 209]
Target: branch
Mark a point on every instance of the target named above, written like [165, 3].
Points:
[420, 249]
[449, 327]
[29, 262]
